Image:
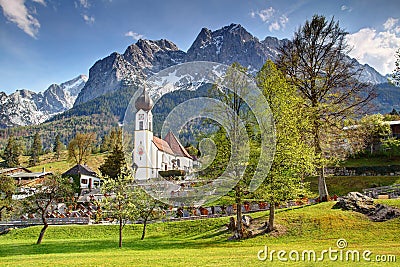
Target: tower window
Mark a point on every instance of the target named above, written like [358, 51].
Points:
[140, 125]
[150, 126]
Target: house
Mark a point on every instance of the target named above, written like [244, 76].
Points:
[24, 177]
[152, 155]
[88, 179]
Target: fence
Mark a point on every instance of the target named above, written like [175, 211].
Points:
[51, 221]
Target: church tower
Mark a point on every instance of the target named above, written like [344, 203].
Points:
[144, 137]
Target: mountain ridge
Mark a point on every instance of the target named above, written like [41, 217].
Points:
[25, 107]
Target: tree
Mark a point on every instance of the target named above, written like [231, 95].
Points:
[53, 189]
[231, 92]
[12, 153]
[315, 62]
[80, 147]
[293, 157]
[36, 150]
[58, 147]
[373, 129]
[115, 161]
[7, 189]
[396, 71]
[147, 208]
[120, 198]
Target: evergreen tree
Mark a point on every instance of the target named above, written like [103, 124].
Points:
[115, 161]
[36, 150]
[58, 146]
[12, 153]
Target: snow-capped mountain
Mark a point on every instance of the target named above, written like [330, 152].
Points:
[139, 61]
[229, 44]
[25, 107]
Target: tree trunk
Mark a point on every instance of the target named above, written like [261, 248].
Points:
[120, 232]
[144, 229]
[239, 230]
[271, 217]
[1, 212]
[41, 235]
[322, 188]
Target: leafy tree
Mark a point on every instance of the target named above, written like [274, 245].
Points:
[120, 198]
[236, 78]
[36, 150]
[147, 208]
[80, 147]
[58, 147]
[12, 153]
[391, 147]
[373, 130]
[115, 161]
[7, 189]
[315, 62]
[293, 156]
[50, 192]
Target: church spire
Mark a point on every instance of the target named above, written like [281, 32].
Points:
[144, 101]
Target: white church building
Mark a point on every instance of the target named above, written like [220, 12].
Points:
[153, 154]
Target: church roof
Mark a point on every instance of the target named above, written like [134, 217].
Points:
[162, 145]
[144, 101]
[176, 146]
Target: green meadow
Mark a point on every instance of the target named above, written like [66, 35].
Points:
[205, 242]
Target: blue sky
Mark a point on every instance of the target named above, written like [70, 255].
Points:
[51, 41]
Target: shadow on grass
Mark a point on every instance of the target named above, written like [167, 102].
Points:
[96, 245]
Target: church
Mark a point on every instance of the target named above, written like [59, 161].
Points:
[153, 155]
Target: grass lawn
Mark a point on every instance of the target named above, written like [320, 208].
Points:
[48, 162]
[341, 185]
[371, 161]
[203, 242]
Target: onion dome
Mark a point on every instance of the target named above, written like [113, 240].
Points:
[144, 101]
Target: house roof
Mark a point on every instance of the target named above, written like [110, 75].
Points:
[176, 146]
[80, 169]
[30, 175]
[162, 145]
[14, 170]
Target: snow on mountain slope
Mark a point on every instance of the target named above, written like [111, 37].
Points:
[25, 107]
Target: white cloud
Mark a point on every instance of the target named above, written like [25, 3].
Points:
[134, 35]
[40, 2]
[84, 3]
[265, 15]
[271, 18]
[376, 48]
[346, 8]
[88, 19]
[16, 12]
[390, 23]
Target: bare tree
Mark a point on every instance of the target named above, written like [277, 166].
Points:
[315, 61]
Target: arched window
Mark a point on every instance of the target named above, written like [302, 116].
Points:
[140, 125]
[178, 162]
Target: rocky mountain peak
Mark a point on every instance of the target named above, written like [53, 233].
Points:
[24, 107]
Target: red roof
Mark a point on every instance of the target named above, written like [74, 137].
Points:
[162, 145]
[171, 145]
[176, 146]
